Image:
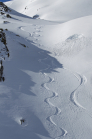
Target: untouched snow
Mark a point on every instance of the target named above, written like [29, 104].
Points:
[60, 10]
[47, 67]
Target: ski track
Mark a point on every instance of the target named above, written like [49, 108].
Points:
[54, 94]
[47, 100]
[73, 96]
[30, 34]
[83, 80]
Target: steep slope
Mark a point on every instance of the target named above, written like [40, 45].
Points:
[60, 10]
[45, 77]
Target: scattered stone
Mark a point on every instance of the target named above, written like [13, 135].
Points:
[23, 44]
[8, 16]
[22, 121]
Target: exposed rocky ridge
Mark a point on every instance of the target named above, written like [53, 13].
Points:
[4, 8]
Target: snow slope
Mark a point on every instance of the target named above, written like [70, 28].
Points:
[60, 10]
[46, 74]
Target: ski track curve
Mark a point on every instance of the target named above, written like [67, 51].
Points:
[83, 80]
[47, 100]
[30, 34]
[54, 94]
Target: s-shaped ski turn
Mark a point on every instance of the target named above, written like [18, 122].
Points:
[73, 96]
[54, 94]
[58, 110]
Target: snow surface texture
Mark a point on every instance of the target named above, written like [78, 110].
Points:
[46, 70]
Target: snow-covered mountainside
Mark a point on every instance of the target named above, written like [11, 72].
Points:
[53, 10]
[46, 69]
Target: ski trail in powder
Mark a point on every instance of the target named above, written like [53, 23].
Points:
[58, 110]
[30, 34]
[54, 94]
[73, 96]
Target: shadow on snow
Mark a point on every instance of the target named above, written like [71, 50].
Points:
[33, 59]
